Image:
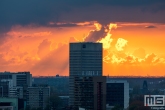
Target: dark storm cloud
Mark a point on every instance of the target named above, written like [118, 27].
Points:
[151, 26]
[41, 12]
[67, 24]
[64, 25]
[95, 35]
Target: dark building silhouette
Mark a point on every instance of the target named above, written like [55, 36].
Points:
[145, 87]
[91, 92]
[4, 88]
[18, 78]
[37, 96]
[117, 94]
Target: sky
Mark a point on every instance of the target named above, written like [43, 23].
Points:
[35, 35]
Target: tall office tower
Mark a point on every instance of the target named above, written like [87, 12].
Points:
[117, 94]
[85, 59]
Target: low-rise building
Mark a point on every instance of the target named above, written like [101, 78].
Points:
[117, 94]
[8, 103]
[16, 92]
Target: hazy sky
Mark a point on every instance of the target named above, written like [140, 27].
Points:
[34, 35]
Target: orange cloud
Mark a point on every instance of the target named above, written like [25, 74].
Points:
[45, 50]
[121, 43]
[98, 26]
[140, 53]
[107, 39]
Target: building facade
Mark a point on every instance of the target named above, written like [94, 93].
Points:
[18, 78]
[85, 59]
[16, 92]
[117, 93]
[37, 96]
[7, 103]
[4, 88]
[90, 92]
[14, 84]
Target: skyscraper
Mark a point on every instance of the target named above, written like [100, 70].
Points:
[85, 59]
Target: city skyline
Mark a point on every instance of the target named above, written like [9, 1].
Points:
[35, 36]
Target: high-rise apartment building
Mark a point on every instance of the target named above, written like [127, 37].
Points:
[117, 94]
[85, 60]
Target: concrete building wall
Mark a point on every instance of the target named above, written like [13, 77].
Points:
[12, 101]
[16, 92]
[10, 82]
[126, 95]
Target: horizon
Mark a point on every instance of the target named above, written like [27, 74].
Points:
[37, 38]
[106, 76]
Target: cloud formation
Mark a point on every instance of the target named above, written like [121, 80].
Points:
[95, 35]
[150, 26]
[121, 43]
[44, 50]
[140, 53]
[44, 13]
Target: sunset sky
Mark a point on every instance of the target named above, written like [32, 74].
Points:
[35, 35]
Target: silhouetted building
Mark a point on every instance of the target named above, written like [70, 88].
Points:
[65, 101]
[60, 83]
[14, 84]
[117, 94]
[85, 59]
[145, 87]
[4, 88]
[37, 96]
[17, 78]
[90, 92]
